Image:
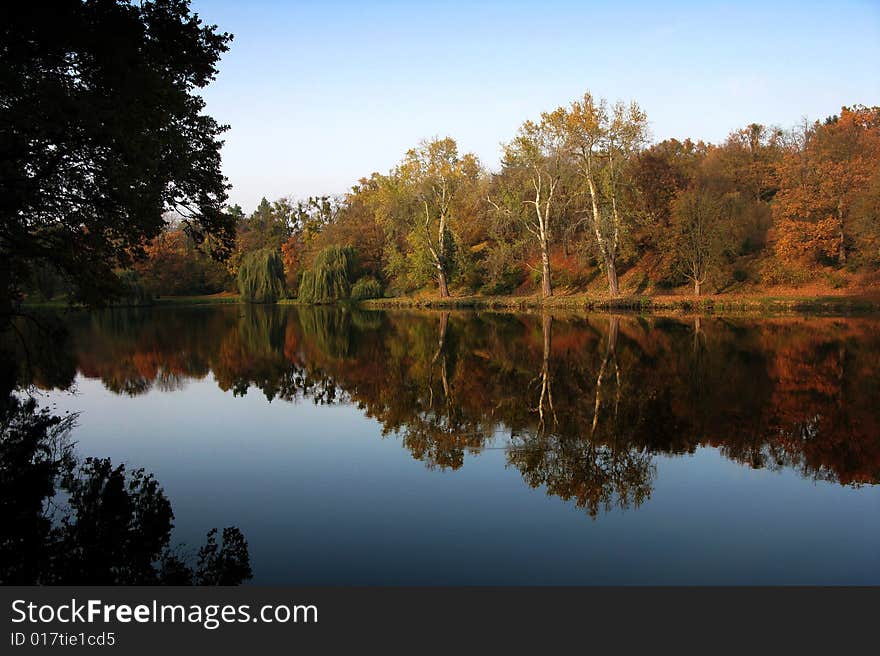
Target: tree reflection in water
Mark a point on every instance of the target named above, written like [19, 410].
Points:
[65, 521]
[581, 404]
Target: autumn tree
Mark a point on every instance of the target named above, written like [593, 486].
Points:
[534, 163]
[660, 173]
[431, 177]
[309, 224]
[744, 168]
[865, 221]
[602, 139]
[825, 171]
[330, 278]
[699, 234]
[174, 264]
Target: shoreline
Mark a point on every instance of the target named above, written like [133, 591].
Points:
[774, 305]
[840, 305]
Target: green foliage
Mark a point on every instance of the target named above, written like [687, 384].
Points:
[101, 99]
[306, 286]
[329, 280]
[133, 293]
[410, 270]
[366, 287]
[261, 276]
[329, 328]
[502, 268]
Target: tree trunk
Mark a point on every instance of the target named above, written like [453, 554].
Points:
[546, 289]
[841, 252]
[441, 343]
[441, 280]
[546, 383]
[697, 287]
[546, 327]
[610, 356]
[612, 277]
[441, 340]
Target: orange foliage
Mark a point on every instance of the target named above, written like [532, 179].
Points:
[820, 180]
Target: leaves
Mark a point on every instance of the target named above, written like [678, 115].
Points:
[103, 131]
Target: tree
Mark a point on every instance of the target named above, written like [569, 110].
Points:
[602, 139]
[366, 287]
[536, 155]
[261, 276]
[329, 279]
[102, 130]
[432, 175]
[866, 222]
[659, 174]
[752, 154]
[311, 223]
[699, 235]
[267, 227]
[821, 177]
[174, 264]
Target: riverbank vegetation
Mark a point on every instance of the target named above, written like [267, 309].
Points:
[583, 208]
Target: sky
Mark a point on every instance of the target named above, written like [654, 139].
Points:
[321, 94]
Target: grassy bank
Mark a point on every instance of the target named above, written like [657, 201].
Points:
[647, 304]
[720, 304]
[204, 299]
[207, 299]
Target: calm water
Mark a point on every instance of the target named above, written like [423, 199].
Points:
[359, 447]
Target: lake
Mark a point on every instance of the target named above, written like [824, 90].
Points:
[397, 447]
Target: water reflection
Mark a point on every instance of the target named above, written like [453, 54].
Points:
[580, 404]
[66, 520]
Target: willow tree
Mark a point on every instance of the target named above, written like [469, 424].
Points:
[261, 276]
[602, 139]
[431, 177]
[536, 154]
[329, 279]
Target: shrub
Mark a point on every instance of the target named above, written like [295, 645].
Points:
[775, 272]
[366, 287]
[261, 276]
[836, 280]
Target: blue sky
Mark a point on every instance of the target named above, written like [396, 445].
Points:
[319, 94]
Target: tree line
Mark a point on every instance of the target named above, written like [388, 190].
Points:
[101, 136]
[580, 196]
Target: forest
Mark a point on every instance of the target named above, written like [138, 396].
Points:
[582, 203]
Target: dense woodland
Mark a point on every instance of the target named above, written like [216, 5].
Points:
[582, 203]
